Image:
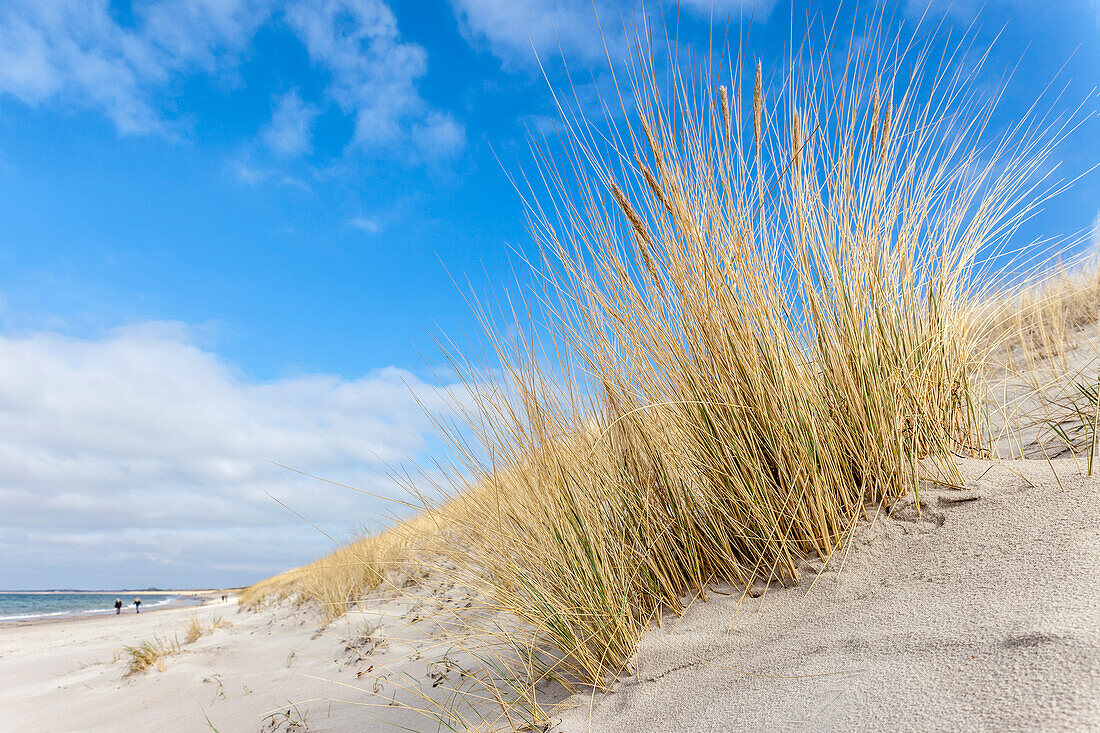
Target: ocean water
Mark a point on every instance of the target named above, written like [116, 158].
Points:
[22, 606]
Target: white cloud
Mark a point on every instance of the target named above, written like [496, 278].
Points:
[366, 225]
[373, 73]
[438, 136]
[290, 132]
[77, 51]
[141, 448]
[207, 34]
[247, 173]
[516, 31]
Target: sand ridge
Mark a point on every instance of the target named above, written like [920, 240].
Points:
[980, 614]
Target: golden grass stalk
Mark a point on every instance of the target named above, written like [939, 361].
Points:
[723, 97]
[743, 357]
[811, 350]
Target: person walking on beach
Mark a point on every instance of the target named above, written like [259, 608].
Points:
[137, 605]
[118, 606]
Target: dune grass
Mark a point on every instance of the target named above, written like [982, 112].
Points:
[1041, 373]
[194, 629]
[766, 312]
[336, 583]
[775, 324]
[1040, 322]
[157, 651]
[154, 652]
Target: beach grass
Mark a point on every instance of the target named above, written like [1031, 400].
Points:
[767, 312]
[336, 583]
[194, 629]
[150, 653]
[776, 322]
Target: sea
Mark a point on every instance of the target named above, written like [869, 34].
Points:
[31, 605]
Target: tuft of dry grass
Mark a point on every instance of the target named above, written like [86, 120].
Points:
[755, 335]
[1042, 364]
[1041, 321]
[749, 349]
[150, 653]
[194, 629]
[337, 583]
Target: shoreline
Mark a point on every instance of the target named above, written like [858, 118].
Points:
[124, 591]
[182, 599]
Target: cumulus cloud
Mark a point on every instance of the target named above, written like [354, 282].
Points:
[374, 72]
[290, 132]
[516, 31]
[142, 454]
[77, 52]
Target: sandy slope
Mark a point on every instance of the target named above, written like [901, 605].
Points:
[980, 615]
[68, 675]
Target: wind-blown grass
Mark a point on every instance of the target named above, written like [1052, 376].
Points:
[150, 653]
[336, 583]
[773, 332]
[759, 328]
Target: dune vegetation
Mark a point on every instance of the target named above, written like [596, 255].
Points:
[337, 582]
[194, 629]
[766, 308]
[150, 653]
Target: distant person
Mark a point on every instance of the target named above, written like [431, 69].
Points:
[118, 606]
[223, 598]
[137, 605]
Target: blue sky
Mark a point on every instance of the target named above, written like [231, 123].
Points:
[230, 228]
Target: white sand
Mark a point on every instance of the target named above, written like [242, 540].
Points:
[980, 615]
[68, 675]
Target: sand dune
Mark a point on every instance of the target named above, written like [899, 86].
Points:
[982, 613]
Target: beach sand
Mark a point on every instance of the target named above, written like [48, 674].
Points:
[264, 671]
[981, 614]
